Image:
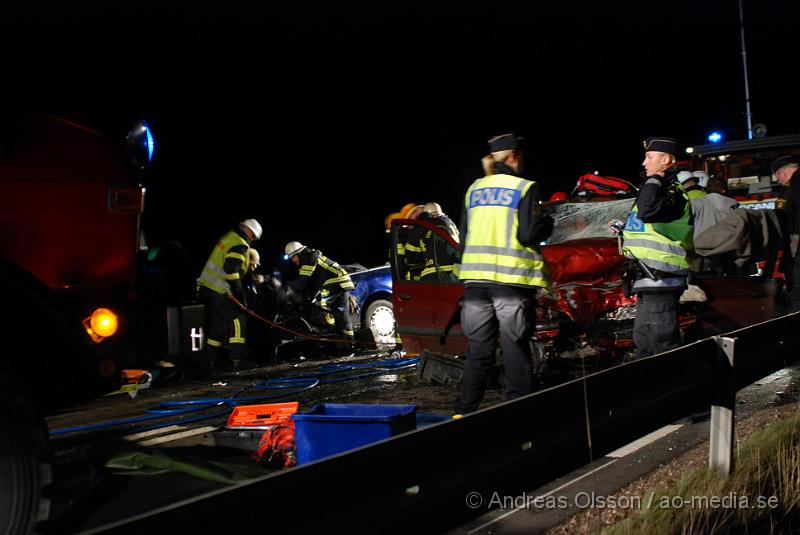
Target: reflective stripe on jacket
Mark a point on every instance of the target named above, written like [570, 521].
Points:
[214, 276]
[696, 194]
[492, 251]
[319, 272]
[661, 247]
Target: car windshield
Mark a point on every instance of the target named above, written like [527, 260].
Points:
[580, 220]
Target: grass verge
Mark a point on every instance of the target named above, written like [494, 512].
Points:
[761, 496]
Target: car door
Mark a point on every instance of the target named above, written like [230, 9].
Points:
[426, 296]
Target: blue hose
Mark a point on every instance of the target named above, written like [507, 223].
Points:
[300, 383]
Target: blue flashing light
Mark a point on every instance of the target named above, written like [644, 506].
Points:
[286, 257]
[715, 137]
[151, 144]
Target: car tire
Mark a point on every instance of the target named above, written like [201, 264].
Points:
[379, 319]
[22, 471]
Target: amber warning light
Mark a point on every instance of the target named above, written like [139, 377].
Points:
[101, 324]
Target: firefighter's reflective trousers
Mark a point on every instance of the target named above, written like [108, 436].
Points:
[225, 327]
[338, 305]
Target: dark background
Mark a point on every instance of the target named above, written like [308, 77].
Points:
[321, 118]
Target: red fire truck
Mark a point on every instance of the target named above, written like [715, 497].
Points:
[745, 165]
[69, 236]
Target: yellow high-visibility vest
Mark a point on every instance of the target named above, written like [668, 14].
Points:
[213, 276]
[492, 251]
[661, 246]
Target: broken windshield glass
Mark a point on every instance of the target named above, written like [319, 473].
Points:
[574, 221]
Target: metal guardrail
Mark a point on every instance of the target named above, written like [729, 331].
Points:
[418, 481]
[745, 356]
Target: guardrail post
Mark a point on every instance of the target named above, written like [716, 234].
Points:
[723, 402]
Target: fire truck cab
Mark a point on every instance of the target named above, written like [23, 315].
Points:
[69, 236]
[745, 166]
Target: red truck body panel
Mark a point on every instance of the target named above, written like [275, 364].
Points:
[56, 220]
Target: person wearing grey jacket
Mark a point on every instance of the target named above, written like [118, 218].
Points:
[707, 212]
[711, 209]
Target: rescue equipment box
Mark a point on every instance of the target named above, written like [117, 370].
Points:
[332, 428]
[262, 416]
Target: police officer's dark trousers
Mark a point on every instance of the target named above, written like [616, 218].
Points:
[656, 327]
[487, 310]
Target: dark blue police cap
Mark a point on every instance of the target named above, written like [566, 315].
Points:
[661, 144]
[506, 142]
[783, 161]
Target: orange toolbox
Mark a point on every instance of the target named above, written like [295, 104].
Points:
[263, 416]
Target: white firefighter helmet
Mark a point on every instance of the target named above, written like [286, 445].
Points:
[683, 176]
[293, 248]
[255, 258]
[433, 209]
[702, 178]
[254, 226]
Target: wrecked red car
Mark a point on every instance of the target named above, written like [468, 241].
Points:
[588, 312]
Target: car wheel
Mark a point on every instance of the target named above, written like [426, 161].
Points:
[379, 318]
[22, 473]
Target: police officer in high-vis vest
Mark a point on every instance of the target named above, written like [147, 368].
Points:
[658, 235]
[222, 276]
[502, 270]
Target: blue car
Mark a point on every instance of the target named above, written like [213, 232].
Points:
[373, 293]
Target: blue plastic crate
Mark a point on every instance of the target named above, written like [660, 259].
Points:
[332, 428]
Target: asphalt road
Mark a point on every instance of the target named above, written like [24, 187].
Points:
[88, 495]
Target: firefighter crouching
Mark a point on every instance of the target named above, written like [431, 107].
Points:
[222, 276]
[658, 236]
[319, 274]
[502, 270]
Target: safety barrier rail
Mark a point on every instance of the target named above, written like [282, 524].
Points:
[418, 481]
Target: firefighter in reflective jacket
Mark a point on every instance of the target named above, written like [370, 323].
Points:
[320, 274]
[222, 276]
[429, 256]
[502, 270]
[409, 242]
[658, 235]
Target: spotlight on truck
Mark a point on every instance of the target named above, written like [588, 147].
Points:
[140, 145]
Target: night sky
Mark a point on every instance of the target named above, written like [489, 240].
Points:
[321, 118]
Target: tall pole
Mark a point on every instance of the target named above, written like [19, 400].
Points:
[748, 114]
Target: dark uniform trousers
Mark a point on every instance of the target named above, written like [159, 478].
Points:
[223, 321]
[656, 328]
[485, 311]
